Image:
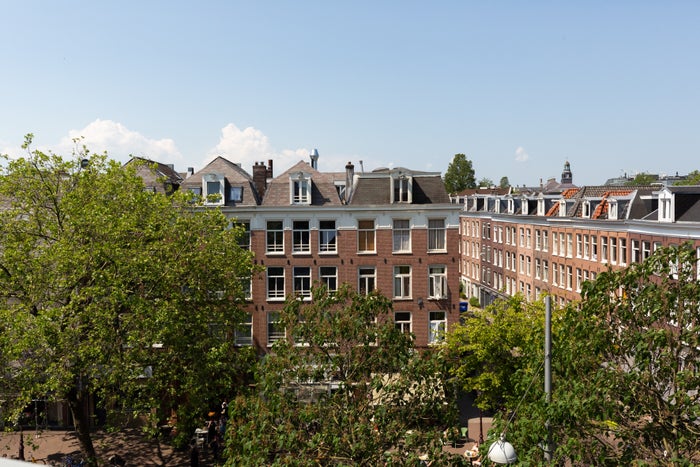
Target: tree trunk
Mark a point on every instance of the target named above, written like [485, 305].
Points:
[77, 400]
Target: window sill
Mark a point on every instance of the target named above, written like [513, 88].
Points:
[274, 253]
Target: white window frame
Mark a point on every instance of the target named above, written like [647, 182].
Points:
[623, 251]
[402, 282]
[437, 235]
[604, 249]
[274, 334]
[401, 236]
[328, 236]
[275, 279]
[213, 197]
[300, 188]
[366, 236]
[403, 321]
[328, 275]
[401, 189]
[437, 282]
[666, 206]
[243, 334]
[276, 234]
[301, 236]
[367, 279]
[301, 281]
[437, 326]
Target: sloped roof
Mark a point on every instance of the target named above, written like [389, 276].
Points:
[323, 190]
[375, 189]
[687, 203]
[234, 176]
[161, 177]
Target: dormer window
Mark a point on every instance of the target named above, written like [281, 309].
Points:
[213, 188]
[300, 188]
[665, 206]
[402, 188]
[612, 209]
[340, 188]
[540, 206]
[511, 205]
[586, 209]
[562, 208]
[235, 194]
[524, 206]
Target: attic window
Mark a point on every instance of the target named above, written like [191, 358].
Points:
[586, 209]
[612, 209]
[511, 206]
[235, 194]
[340, 188]
[300, 187]
[402, 188]
[540, 207]
[562, 208]
[213, 186]
[665, 207]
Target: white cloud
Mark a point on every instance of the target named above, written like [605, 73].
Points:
[120, 143]
[250, 145]
[521, 155]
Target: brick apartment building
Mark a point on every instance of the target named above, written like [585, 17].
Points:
[554, 238]
[395, 230]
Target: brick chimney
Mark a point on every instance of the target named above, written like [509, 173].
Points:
[260, 178]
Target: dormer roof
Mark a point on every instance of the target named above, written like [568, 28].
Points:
[375, 188]
[323, 186]
[233, 175]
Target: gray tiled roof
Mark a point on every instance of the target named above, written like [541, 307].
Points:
[375, 189]
[323, 191]
[234, 176]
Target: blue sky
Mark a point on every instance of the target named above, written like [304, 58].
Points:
[520, 87]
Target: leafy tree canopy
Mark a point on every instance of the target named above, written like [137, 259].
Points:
[504, 183]
[625, 371]
[491, 345]
[345, 388]
[642, 179]
[485, 182]
[459, 175]
[111, 290]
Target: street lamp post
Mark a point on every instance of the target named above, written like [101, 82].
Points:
[501, 451]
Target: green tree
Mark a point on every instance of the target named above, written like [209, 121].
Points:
[642, 179]
[111, 291]
[459, 175]
[625, 371]
[345, 388]
[485, 182]
[692, 179]
[491, 345]
[504, 183]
